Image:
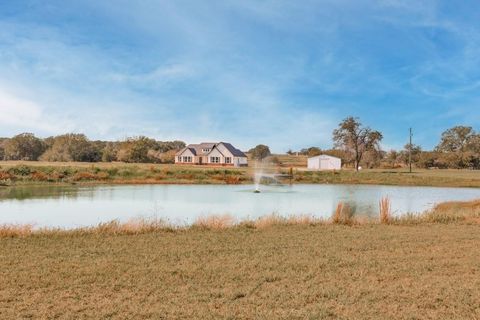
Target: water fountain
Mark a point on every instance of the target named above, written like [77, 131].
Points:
[259, 175]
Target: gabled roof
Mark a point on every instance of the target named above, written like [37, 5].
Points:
[197, 149]
[234, 151]
[192, 150]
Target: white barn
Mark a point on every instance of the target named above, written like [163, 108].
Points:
[324, 162]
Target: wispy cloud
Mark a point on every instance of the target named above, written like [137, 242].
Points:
[25, 115]
[276, 72]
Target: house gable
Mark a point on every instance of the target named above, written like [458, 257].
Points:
[227, 148]
[224, 151]
[186, 152]
[215, 153]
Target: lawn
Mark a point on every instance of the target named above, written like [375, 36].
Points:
[425, 271]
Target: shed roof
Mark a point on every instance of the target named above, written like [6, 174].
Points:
[324, 156]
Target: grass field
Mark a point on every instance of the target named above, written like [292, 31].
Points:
[18, 172]
[426, 271]
[423, 267]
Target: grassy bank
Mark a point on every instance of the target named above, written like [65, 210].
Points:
[271, 269]
[16, 173]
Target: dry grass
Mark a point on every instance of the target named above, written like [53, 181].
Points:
[385, 210]
[277, 220]
[215, 222]
[454, 211]
[13, 231]
[132, 226]
[374, 271]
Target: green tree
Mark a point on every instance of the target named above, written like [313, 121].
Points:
[392, 158]
[24, 146]
[109, 152]
[311, 152]
[474, 144]
[260, 152]
[136, 149]
[353, 137]
[457, 140]
[72, 147]
[2, 147]
[416, 151]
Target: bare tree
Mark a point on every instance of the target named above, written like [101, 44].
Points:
[352, 136]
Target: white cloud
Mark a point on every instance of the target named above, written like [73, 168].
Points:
[23, 114]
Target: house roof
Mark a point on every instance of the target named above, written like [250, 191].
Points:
[234, 151]
[197, 149]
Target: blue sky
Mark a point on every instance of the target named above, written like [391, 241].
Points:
[283, 73]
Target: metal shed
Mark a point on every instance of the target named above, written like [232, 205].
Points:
[324, 162]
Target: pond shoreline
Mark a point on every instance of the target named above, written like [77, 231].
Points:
[457, 212]
[81, 205]
[23, 173]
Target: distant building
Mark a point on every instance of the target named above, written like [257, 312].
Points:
[214, 154]
[324, 162]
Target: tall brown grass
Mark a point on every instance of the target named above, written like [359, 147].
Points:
[343, 214]
[15, 231]
[385, 210]
[132, 226]
[277, 220]
[215, 222]
[453, 211]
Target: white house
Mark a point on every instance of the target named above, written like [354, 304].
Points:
[209, 153]
[324, 162]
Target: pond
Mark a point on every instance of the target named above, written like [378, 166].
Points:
[74, 206]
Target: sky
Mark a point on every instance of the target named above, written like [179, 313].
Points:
[278, 72]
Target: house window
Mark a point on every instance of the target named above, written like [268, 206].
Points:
[179, 159]
[228, 160]
[187, 159]
[215, 159]
[206, 150]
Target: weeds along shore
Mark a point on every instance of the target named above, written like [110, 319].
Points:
[47, 173]
[447, 212]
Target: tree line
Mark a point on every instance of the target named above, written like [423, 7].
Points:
[77, 147]
[359, 146]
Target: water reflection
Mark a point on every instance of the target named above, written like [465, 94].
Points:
[72, 206]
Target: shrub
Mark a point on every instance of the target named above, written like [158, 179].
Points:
[21, 171]
[232, 180]
[84, 176]
[102, 176]
[39, 176]
[5, 175]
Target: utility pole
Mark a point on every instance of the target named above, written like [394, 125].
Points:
[410, 151]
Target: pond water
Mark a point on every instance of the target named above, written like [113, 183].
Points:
[73, 206]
